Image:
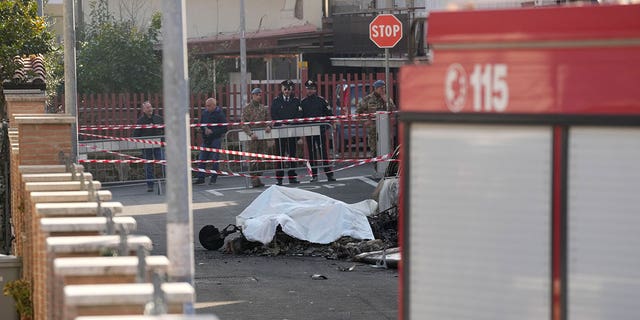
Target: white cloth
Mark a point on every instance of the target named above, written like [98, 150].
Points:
[389, 193]
[304, 215]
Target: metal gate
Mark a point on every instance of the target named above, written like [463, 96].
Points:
[238, 140]
[5, 190]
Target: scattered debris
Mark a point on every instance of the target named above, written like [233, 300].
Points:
[212, 239]
[236, 243]
[387, 258]
[382, 262]
[347, 269]
[384, 226]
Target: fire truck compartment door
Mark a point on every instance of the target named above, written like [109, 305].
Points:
[604, 223]
[479, 221]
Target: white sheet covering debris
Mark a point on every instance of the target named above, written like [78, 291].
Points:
[389, 193]
[304, 215]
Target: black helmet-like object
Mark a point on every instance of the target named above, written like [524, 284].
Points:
[310, 84]
[287, 83]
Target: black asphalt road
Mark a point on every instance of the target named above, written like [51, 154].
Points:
[282, 287]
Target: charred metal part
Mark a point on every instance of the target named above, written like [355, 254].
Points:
[212, 239]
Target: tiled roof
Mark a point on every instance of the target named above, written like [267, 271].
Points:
[285, 40]
[306, 28]
[30, 76]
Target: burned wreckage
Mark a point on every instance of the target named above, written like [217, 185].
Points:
[293, 221]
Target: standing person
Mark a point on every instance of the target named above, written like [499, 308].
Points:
[256, 111]
[211, 138]
[155, 152]
[375, 101]
[316, 106]
[286, 106]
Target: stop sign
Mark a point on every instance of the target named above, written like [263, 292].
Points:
[385, 31]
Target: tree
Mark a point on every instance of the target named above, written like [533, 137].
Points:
[22, 32]
[201, 73]
[54, 67]
[117, 56]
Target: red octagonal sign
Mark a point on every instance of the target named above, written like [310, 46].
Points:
[385, 31]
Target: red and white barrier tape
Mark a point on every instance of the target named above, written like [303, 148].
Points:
[246, 175]
[223, 151]
[287, 121]
[269, 160]
[361, 162]
[110, 152]
[140, 160]
[365, 161]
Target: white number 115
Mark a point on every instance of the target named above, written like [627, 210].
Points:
[490, 83]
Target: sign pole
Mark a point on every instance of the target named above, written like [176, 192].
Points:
[382, 123]
[243, 58]
[386, 76]
[385, 31]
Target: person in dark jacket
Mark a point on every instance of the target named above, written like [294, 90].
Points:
[155, 151]
[316, 106]
[211, 138]
[286, 106]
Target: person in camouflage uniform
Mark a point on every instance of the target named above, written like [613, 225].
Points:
[375, 101]
[256, 111]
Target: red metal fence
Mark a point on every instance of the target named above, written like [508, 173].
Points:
[341, 90]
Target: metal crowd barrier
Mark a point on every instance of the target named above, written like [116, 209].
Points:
[119, 172]
[237, 139]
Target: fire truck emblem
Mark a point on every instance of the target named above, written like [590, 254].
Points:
[455, 87]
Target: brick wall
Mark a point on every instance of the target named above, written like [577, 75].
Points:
[37, 139]
[42, 137]
[24, 102]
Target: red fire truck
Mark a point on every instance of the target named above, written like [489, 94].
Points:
[521, 151]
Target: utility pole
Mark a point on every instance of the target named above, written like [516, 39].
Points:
[243, 58]
[80, 21]
[382, 120]
[176, 100]
[70, 82]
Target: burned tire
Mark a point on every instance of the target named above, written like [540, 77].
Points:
[210, 237]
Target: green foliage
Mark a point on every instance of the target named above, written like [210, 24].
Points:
[20, 291]
[201, 73]
[54, 66]
[22, 32]
[117, 56]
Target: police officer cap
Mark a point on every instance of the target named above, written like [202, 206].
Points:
[378, 84]
[287, 83]
[256, 91]
[310, 84]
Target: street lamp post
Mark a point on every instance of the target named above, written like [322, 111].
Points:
[176, 100]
